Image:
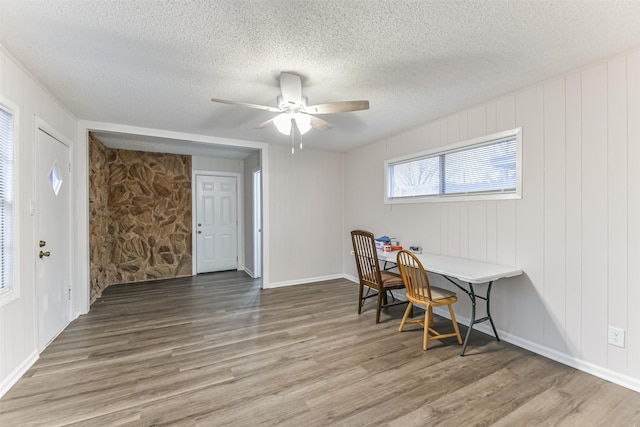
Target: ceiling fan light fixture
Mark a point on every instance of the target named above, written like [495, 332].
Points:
[303, 121]
[283, 123]
[292, 106]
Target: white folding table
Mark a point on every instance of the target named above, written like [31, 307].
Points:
[464, 270]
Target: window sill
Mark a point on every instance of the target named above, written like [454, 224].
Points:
[453, 198]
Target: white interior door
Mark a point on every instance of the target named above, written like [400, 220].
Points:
[216, 223]
[52, 227]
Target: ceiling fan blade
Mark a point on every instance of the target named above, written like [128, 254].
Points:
[291, 87]
[338, 107]
[318, 123]
[244, 104]
[264, 124]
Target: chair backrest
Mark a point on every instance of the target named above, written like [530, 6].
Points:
[364, 249]
[414, 276]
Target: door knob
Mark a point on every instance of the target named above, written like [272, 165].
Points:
[44, 254]
[199, 225]
[199, 232]
[42, 243]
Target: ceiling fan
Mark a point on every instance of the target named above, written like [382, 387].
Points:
[294, 111]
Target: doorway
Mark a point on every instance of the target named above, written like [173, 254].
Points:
[216, 231]
[53, 213]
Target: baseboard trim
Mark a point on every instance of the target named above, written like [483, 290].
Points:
[351, 278]
[249, 272]
[303, 281]
[17, 373]
[574, 362]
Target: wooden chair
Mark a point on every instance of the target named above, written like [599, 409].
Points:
[370, 274]
[419, 292]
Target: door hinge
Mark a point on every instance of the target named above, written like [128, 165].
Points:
[69, 167]
[69, 294]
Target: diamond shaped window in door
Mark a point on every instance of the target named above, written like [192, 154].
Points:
[54, 178]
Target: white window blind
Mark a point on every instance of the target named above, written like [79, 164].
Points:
[417, 177]
[490, 167]
[6, 199]
[482, 167]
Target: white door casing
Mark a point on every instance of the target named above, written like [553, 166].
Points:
[216, 223]
[53, 260]
[257, 223]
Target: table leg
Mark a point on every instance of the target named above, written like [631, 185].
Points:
[472, 296]
[489, 311]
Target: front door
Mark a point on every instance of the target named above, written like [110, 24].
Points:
[216, 223]
[53, 266]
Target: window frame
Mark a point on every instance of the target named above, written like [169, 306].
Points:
[456, 147]
[12, 292]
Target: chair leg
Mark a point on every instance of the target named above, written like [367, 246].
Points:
[427, 316]
[379, 308]
[360, 299]
[455, 324]
[408, 311]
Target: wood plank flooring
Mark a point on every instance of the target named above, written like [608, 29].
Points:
[216, 350]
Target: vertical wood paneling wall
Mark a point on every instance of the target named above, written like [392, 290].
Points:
[633, 213]
[575, 232]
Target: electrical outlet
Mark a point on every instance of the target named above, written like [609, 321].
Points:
[616, 336]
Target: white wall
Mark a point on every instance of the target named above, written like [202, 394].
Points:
[18, 319]
[575, 233]
[216, 164]
[306, 206]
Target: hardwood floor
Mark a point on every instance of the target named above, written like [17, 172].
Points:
[217, 350]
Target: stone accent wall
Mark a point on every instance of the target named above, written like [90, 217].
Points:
[150, 215]
[144, 231]
[101, 269]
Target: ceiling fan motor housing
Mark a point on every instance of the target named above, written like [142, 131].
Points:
[287, 106]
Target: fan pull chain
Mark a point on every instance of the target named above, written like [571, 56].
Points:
[294, 127]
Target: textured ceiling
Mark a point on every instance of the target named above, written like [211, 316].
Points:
[156, 64]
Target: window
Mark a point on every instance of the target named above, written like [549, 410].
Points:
[6, 200]
[483, 168]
